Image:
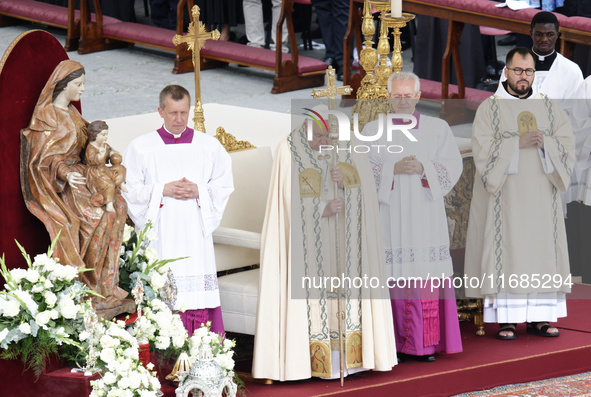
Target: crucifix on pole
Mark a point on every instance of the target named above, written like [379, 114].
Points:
[331, 92]
[195, 39]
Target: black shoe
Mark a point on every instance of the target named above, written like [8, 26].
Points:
[429, 358]
[340, 76]
[510, 40]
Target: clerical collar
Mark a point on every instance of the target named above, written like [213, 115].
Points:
[531, 91]
[544, 62]
[169, 138]
[402, 120]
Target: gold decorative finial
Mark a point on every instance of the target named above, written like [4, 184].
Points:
[195, 39]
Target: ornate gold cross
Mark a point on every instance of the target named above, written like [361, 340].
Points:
[195, 39]
[331, 92]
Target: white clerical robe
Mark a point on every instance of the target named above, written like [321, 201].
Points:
[283, 341]
[184, 227]
[516, 231]
[416, 236]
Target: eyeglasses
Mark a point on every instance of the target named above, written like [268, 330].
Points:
[519, 71]
[407, 96]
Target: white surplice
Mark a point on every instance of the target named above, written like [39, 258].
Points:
[416, 238]
[516, 229]
[184, 227]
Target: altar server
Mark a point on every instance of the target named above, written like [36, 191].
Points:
[181, 179]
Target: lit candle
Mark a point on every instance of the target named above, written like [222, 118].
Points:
[396, 8]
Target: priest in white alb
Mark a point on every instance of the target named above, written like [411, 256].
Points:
[412, 179]
[524, 153]
[297, 332]
[180, 180]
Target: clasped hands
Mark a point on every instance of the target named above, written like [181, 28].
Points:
[183, 189]
[409, 165]
[531, 138]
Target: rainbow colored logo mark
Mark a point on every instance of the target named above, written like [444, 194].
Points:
[317, 119]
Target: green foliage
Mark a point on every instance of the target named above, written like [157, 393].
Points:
[34, 353]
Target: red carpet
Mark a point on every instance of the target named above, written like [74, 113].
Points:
[485, 363]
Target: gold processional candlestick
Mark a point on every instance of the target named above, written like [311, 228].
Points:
[396, 24]
[331, 92]
[195, 39]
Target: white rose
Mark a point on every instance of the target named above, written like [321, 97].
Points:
[178, 340]
[25, 328]
[18, 274]
[109, 378]
[123, 383]
[107, 341]
[67, 307]
[83, 336]
[37, 288]
[50, 298]
[135, 380]
[127, 230]
[66, 272]
[152, 255]
[156, 280]
[32, 275]
[162, 342]
[43, 318]
[107, 354]
[228, 344]
[9, 306]
[155, 383]
[45, 261]
[48, 284]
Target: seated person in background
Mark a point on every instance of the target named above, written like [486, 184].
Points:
[102, 180]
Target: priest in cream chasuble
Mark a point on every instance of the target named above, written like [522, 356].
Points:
[297, 329]
[516, 239]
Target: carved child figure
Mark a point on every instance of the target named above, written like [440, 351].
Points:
[103, 180]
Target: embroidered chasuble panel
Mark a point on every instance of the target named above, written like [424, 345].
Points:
[327, 248]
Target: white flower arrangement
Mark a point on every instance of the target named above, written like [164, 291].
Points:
[118, 358]
[221, 348]
[41, 308]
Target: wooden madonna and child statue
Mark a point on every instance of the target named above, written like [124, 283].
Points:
[68, 185]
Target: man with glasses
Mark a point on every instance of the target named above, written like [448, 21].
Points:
[412, 184]
[523, 150]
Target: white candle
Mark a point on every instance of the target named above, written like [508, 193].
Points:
[396, 8]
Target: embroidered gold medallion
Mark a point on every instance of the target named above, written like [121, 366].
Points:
[320, 359]
[354, 349]
[310, 183]
[526, 121]
[350, 176]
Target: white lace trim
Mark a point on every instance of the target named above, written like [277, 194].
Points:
[201, 283]
[412, 255]
[443, 176]
[377, 174]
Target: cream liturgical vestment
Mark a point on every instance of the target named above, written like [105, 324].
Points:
[184, 227]
[516, 242]
[296, 332]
